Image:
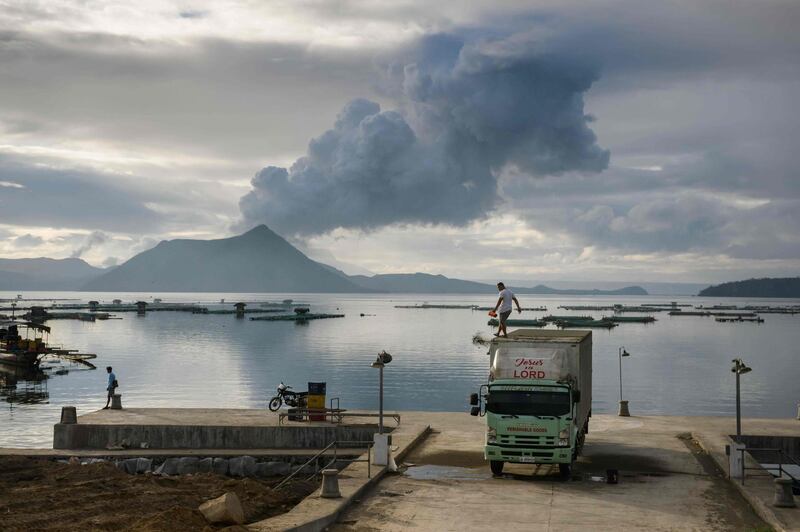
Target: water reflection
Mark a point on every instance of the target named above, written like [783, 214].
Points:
[678, 365]
[19, 385]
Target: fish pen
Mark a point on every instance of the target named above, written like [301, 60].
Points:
[518, 323]
[577, 324]
[567, 318]
[629, 319]
[297, 317]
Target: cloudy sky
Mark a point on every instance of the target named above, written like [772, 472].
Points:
[608, 140]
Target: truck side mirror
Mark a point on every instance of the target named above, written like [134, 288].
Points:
[475, 411]
[576, 396]
[473, 399]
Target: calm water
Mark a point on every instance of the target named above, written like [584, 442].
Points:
[678, 365]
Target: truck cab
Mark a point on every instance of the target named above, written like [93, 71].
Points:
[537, 401]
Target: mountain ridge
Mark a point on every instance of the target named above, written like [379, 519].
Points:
[787, 287]
[258, 260]
[44, 273]
[436, 283]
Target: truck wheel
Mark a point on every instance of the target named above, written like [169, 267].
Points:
[565, 470]
[497, 467]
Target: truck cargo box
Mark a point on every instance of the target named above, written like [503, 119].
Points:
[535, 355]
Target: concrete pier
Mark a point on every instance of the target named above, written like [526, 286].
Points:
[197, 428]
[672, 471]
[669, 479]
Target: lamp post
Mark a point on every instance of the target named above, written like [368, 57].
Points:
[381, 442]
[739, 368]
[623, 405]
[383, 359]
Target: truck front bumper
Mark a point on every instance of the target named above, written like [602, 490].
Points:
[538, 455]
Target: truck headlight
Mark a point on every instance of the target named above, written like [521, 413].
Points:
[491, 435]
[563, 442]
[564, 434]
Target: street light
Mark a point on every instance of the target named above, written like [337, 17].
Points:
[383, 359]
[739, 368]
[623, 405]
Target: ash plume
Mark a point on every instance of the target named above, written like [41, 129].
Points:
[95, 238]
[465, 110]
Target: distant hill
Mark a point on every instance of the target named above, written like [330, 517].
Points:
[544, 290]
[766, 287]
[422, 283]
[46, 274]
[257, 261]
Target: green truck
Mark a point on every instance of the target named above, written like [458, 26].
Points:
[538, 399]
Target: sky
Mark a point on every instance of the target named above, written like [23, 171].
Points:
[608, 141]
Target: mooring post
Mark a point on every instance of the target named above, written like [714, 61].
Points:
[784, 498]
[330, 484]
[116, 401]
[69, 415]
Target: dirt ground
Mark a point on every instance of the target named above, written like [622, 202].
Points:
[38, 494]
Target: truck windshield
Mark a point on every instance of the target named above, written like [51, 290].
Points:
[524, 403]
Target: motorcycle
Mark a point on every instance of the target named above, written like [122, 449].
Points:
[286, 395]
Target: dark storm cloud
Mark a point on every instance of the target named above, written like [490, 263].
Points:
[467, 110]
[667, 211]
[71, 198]
[705, 91]
[211, 97]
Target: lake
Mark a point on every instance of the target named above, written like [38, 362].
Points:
[678, 365]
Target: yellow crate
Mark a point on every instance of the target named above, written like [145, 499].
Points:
[316, 401]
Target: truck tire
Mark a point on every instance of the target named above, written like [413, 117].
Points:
[497, 467]
[565, 470]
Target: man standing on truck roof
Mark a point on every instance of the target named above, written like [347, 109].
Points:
[504, 307]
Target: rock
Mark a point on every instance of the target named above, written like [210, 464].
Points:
[273, 469]
[206, 465]
[242, 466]
[226, 509]
[129, 465]
[169, 467]
[220, 466]
[144, 465]
[187, 465]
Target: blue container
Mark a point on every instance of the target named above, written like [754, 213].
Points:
[316, 388]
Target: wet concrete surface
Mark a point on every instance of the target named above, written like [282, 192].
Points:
[666, 482]
[437, 472]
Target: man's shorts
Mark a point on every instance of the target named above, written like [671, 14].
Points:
[110, 391]
[504, 316]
